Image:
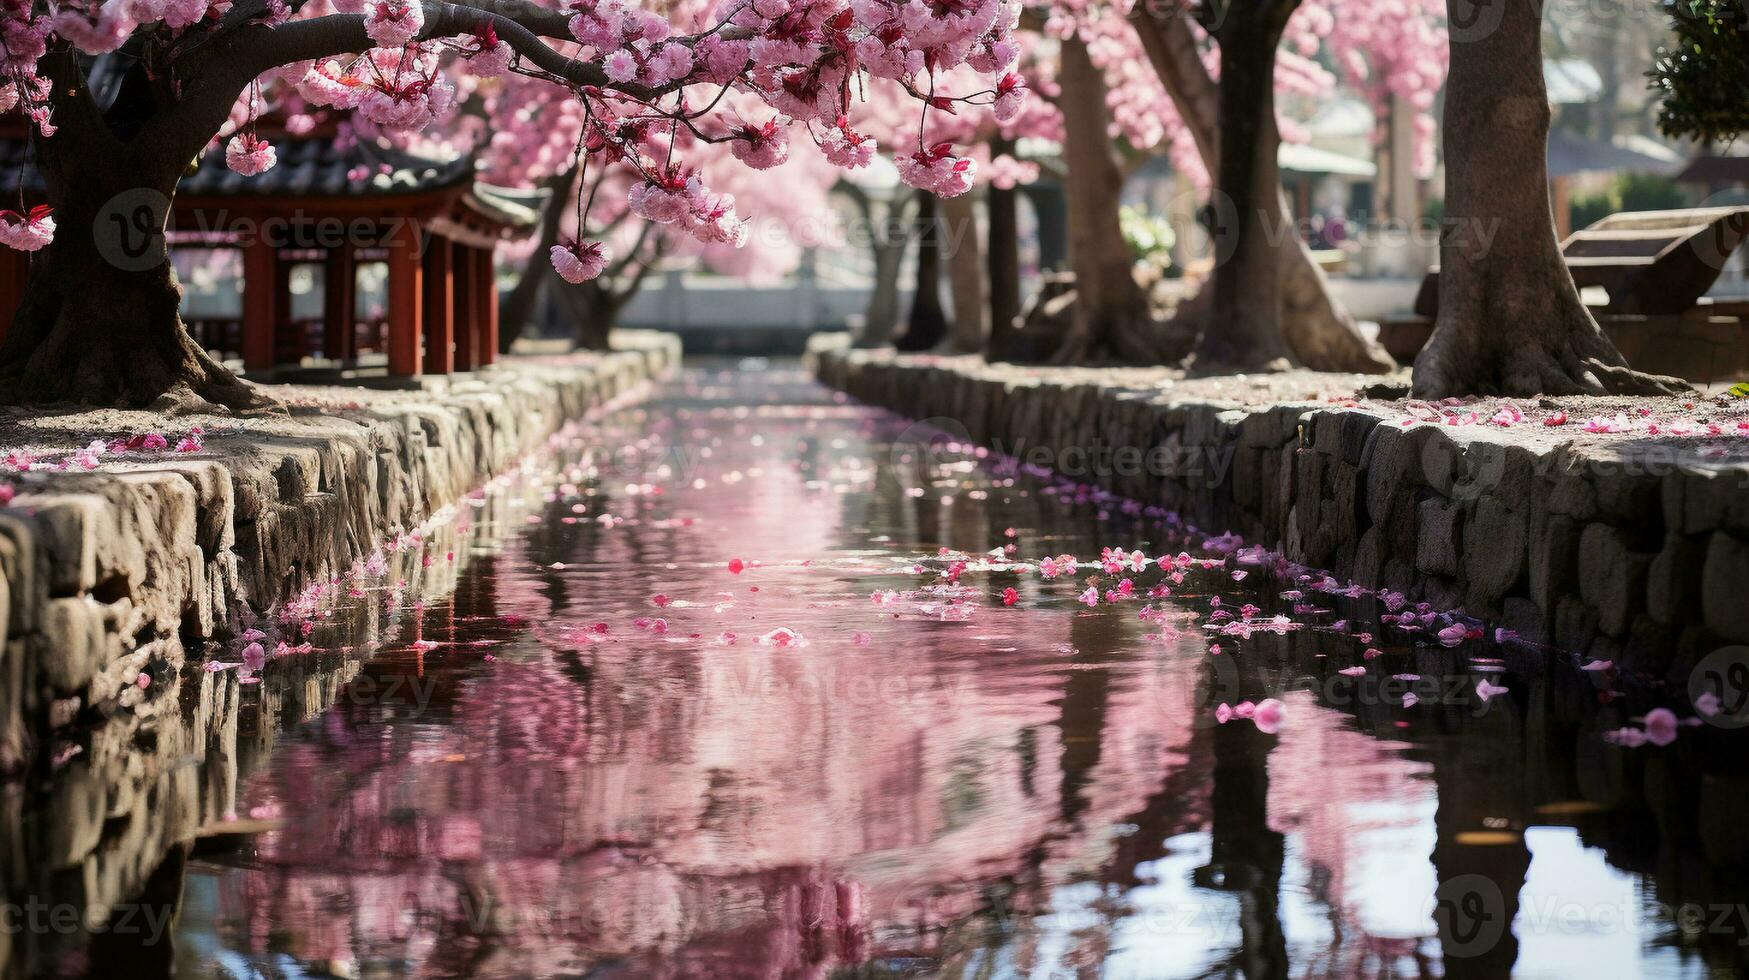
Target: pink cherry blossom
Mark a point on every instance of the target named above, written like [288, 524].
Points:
[578, 262]
[1488, 690]
[29, 231]
[1269, 715]
[393, 23]
[249, 155]
[1661, 726]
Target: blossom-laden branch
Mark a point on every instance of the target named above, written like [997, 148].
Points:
[638, 77]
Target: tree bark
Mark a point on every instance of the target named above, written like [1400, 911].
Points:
[1249, 225]
[928, 324]
[1112, 319]
[99, 318]
[965, 273]
[1320, 333]
[519, 305]
[1510, 319]
[1003, 256]
[889, 239]
[593, 310]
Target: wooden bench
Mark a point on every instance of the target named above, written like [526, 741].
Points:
[1650, 265]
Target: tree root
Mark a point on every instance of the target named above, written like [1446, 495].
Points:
[1457, 361]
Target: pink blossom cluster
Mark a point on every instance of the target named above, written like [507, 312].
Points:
[249, 155]
[29, 231]
[683, 201]
[936, 169]
[579, 262]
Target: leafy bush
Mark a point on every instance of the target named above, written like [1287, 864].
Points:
[1629, 192]
[1704, 75]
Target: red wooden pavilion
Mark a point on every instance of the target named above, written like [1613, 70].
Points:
[338, 206]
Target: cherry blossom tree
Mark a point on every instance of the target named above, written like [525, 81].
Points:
[1383, 48]
[945, 228]
[1510, 318]
[198, 73]
[536, 127]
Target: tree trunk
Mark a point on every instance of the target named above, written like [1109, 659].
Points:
[99, 319]
[1320, 332]
[1510, 318]
[928, 325]
[1245, 331]
[889, 239]
[519, 305]
[965, 272]
[1003, 256]
[593, 310]
[1112, 319]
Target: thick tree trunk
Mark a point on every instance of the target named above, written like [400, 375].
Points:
[519, 305]
[882, 315]
[1510, 318]
[593, 310]
[1112, 319]
[99, 321]
[965, 273]
[1320, 332]
[889, 239]
[928, 324]
[1003, 257]
[1249, 225]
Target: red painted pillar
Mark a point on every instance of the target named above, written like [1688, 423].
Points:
[340, 304]
[406, 298]
[468, 326]
[488, 297]
[260, 296]
[439, 307]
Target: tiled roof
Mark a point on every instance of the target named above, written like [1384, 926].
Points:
[312, 167]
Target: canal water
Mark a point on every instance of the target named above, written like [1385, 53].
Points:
[748, 697]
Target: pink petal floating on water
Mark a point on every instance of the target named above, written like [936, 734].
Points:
[660, 601]
[1486, 689]
[254, 656]
[1269, 715]
[423, 645]
[1223, 713]
[1661, 725]
[1707, 705]
[1010, 597]
[1627, 737]
[861, 639]
[1410, 700]
[783, 636]
[736, 566]
[1597, 665]
[1355, 671]
[1453, 635]
[1090, 597]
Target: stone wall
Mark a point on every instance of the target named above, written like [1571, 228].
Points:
[1635, 551]
[103, 573]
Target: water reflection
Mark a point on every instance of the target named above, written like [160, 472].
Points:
[564, 785]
